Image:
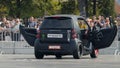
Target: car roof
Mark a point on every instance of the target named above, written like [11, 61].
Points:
[66, 15]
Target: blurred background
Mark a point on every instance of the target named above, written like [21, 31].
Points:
[38, 8]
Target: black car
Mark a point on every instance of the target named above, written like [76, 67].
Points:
[61, 35]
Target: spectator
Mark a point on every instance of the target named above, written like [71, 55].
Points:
[0, 20]
[39, 24]
[100, 21]
[94, 19]
[25, 22]
[3, 26]
[82, 25]
[15, 33]
[88, 20]
[92, 26]
[7, 28]
[12, 22]
[32, 23]
[107, 23]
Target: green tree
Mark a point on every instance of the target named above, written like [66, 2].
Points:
[16, 8]
[27, 8]
[103, 7]
[70, 7]
[107, 7]
[3, 10]
[48, 7]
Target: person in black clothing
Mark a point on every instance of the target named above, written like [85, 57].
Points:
[90, 33]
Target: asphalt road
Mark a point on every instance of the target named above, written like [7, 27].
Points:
[29, 61]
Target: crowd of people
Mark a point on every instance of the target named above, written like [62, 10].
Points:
[95, 23]
[100, 22]
[10, 27]
[118, 20]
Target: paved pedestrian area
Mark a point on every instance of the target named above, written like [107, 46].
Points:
[29, 61]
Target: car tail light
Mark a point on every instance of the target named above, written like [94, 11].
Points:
[38, 34]
[74, 34]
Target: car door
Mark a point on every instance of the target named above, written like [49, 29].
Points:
[104, 37]
[84, 27]
[29, 34]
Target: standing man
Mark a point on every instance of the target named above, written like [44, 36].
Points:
[32, 23]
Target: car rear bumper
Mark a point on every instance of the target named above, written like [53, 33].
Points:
[65, 48]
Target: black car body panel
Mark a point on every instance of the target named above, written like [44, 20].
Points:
[104, 37]
[65, 48]
[29, 34]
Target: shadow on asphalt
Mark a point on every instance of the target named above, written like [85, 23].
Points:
[50, 58]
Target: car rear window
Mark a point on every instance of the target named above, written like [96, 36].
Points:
[57, 22]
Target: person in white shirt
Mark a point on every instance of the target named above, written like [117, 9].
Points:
[15, 32]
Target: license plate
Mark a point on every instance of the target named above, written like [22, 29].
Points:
[54, 35]
[54, 47]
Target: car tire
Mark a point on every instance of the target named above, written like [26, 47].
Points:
[58, 56]
[77, 52]
[94, 53]
[39, 55]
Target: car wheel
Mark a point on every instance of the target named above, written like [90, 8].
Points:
[77, 53]
[94, 53]
[39, 55]
[58, 56]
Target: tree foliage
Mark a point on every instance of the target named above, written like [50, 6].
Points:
[103, 7]
[70, 7]
[27, 8]
[107, 7]
[16, 8]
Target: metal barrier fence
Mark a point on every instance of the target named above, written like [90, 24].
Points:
[10, 36]
[14, 43]
[117, 51]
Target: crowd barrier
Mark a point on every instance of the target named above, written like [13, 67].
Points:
[117, 51]
[14, 44]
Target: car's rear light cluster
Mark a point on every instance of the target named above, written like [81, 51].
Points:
[74, 34]
[38, 34]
